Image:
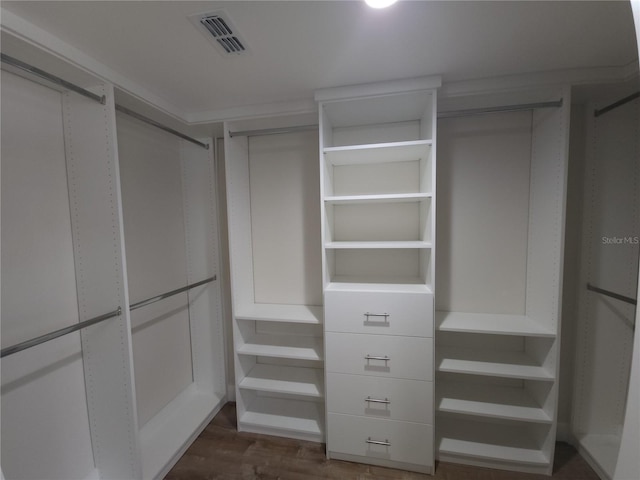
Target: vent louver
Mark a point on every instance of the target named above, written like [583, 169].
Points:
[221, 32]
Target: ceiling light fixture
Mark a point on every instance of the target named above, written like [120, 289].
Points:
[380, 3]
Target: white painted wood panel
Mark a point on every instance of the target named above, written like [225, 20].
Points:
[405, 314]
[154, 228]
[483, 211]
[285, 226]
[409, 357]
[409, 442]
[409, 400]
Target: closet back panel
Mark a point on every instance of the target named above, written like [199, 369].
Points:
[285, 224]
[154, 228]
[483, 210]
[43, 390]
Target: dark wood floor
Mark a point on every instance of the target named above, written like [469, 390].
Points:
[220, 452]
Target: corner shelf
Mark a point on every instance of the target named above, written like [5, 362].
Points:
[287, 380]
[283, 346]
[270, 312]
[489, 323]
[511, 403]
[496, 363]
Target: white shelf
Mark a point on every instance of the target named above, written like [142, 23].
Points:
[489, 441]
[271, 312]
[289, 380]
[496, 363]
[489, 401]
[167, 435]
[360, 284]
[283, 346]
[305, 418]
[378, 153]
[496, 324]
[383, 198]
[379, 245]
[602, 450]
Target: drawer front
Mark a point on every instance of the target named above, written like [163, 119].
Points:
[379, 313]
[379, 355]
[391, 398]
[408, 442]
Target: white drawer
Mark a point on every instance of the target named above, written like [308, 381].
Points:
[386, 313]
[391, 398]
[379, 355]
[408, 442]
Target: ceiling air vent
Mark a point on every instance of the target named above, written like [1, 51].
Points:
[221, 32]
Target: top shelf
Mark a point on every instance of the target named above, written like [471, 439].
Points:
[378, 153]
[490, 323]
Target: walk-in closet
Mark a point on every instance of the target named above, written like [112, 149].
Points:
[405, 236]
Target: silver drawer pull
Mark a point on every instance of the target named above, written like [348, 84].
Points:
[377, 357]
[377, 400]
[385, 315]
[386, 442]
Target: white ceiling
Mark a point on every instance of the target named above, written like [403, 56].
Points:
[297, 47]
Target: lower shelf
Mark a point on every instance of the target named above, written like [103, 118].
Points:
[281, 379]
[601, 452]
[494, 442]
[283, 346]
[166, 436]
[493, 401]
[497, 363]
[283, 417]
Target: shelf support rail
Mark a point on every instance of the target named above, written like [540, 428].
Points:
[614, 105]
[92, 321]
[101, 99]
[14, 62]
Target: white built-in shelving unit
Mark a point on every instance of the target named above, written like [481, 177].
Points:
[272, 185]
[377, 162]
[123, 398]
[501, 234]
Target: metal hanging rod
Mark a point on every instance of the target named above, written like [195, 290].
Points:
[504, 108]
[144, 119]
[272, 131]
[58, 333]
[92, 321]
[157, 298]
[611, 294]
[451, 114]
[101, 99]
[614, 105]
[51, 78]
